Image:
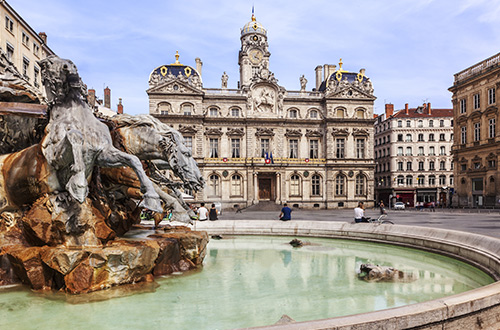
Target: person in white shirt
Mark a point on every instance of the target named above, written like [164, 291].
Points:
[202, 212]
[359, 213]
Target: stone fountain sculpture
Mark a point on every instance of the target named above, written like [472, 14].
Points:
[65, 200]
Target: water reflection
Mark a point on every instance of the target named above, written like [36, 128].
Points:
[250, 281]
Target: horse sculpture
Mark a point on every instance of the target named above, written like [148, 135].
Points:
[75, 142]
[161, 147]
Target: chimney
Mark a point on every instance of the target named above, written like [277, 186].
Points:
[91, 98]
[319, 78]
[389, 110]
[332, 68]
[43, 35]
[326, 67]
[120, 106]
[429, 108]
[199, 64]
[107, 97]
[407, 111]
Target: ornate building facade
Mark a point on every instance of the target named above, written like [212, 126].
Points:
[23, 46]
[262, 142]
[413, 155]
[477, 144]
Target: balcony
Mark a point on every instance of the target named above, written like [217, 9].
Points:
[478, 68]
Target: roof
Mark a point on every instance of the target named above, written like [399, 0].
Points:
[343, 75]
[421, 112]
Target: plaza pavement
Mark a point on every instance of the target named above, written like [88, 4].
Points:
[484, 222]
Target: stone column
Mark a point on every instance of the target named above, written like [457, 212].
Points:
[278, 188]
[255, 188]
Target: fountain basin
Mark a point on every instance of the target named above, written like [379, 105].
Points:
[475, 309]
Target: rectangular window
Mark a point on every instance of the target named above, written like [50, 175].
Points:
[25, 39]
[36, 74]
[491, 96]
[235, 112]
[187, 108]
[400, 151]
[214, 112]
[431, 166]
[463, 135]
[442, 150]
[491, 128]
[188, 142]
[264, 147]
[420, 166]
[408, 123]
[294, 148]
[431, 123]
[408, 137]
[477, 103]
[235, 148]
[314, 149]
[431, 151]
[408, 151]
[477, 131]
[340, 148]
[26, 67]
[10, 51]
[214, 148]
[442, 137]
[400, 166]
[491, 163]
[408, 166]
[9, 24]
[36, 49]
[432, 180]
[360, 148]
[463, 106]
[420, 151]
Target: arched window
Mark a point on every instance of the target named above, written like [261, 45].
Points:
[409, 180]
[420, 123]
[293, 113]
[187, 109]
[360, 185]
[214, 112]
[315, 185]
[442, 180]
[421, 180]
[400, 123]
[432, 180]
[295, 185]
[340, 113]
[340, 185]
[313, 114]
[236, 185]
[360, 113]
[164, 108]
[235, 112]
[214, 185]
[401, 180]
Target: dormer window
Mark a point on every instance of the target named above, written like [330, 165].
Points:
[214, 112]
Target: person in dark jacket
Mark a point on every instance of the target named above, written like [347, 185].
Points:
[212, 214]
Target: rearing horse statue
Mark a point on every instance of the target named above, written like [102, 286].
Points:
[75, 142]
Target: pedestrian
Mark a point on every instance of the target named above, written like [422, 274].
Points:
[202, 212]
[359, 213]
[286, 213]
[212, 215]
[382, 208]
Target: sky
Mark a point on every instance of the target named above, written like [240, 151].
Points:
[410, 48]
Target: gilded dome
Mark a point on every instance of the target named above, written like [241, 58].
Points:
[253, 27]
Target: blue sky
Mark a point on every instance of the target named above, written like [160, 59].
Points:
[409, 48]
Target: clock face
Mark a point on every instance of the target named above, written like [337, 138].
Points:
[256, 56]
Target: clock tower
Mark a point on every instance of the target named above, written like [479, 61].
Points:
[253, 58]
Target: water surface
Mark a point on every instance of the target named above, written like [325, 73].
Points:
[250, 281]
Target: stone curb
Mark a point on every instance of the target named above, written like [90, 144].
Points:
[475, 309]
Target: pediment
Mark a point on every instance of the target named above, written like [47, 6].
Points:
[175, 86]
[350, 92]
[235, 132]
[360, 132]
[213, 131]
[187, 130]
[313, 133]
[264, 132]
[340, 132]
[293, 133]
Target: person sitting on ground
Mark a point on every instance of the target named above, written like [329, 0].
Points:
[286, 213]
[359, 213]
[202, 212]
[212, 215]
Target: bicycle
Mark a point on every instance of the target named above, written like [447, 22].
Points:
[379, 220]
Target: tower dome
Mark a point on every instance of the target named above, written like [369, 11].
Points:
[253, 27]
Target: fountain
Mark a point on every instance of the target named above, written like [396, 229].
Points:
[69, 183]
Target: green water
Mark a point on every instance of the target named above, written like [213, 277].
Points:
[250, 281]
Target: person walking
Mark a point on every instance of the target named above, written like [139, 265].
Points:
[286, 213]
[202, 212]
[212, 215]
[382, 208]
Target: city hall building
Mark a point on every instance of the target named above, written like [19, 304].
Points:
[262, 142]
